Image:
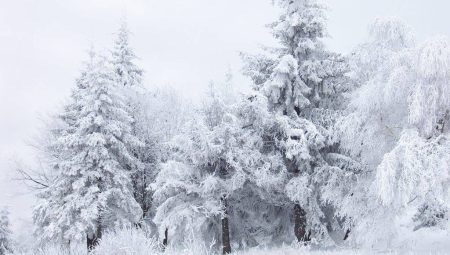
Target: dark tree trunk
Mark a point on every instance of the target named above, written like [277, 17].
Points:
[166, 237]
[91, 242]
[226, 245]
[347, 233]
[94, 239]
[300, 224]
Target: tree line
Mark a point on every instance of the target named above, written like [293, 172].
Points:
[324, 149]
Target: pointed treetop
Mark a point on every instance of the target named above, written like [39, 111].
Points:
[302, 22]
[123, 58]
[123, 32]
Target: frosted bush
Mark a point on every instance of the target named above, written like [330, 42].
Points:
[192, 246]
[57, 249]
[128, 241]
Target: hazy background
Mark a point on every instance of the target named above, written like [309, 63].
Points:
[181, 43]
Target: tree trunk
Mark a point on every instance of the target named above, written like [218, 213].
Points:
[300, 224]
[166, 236]
[226, 245]
[91, 242]
[347, 233]
[94, 239]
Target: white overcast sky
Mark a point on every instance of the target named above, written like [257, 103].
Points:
[181, 43]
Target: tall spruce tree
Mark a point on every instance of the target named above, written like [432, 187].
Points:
[306, 83]
[92, 189]
[129, 76]
[123, 59]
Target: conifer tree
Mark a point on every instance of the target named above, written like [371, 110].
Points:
[204, 188]
[129, 76]
[306, 84]
[123, 60]
[192, 188]
[92, 190]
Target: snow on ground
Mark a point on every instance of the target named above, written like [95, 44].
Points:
[136, 242]
[274, 251]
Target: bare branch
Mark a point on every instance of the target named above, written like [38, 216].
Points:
[32, 179]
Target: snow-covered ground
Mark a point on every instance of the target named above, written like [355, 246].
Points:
[274, 251]
[136, 242]
[291, 251]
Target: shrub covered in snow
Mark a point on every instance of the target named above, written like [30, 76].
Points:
[127, 241]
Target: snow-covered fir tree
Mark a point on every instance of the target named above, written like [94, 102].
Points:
[53, 154]
[92, 191]
[306, 83]
[162, 114]
[193, 188]
[130, 77]
[6, 244]
[208, 187]
[123, 59]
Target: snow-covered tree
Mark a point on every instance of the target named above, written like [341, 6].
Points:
[306, 86]
[193, 187]
[366, 131]
[387, 36]
[302, 72]
[206, 187]
[130, 77]
[179, 203]
[390, 43]
[162, 114]
[250, 143]
[5, 233]
[397, 125]
[123, 59]
[415, 173]
[92, 190]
